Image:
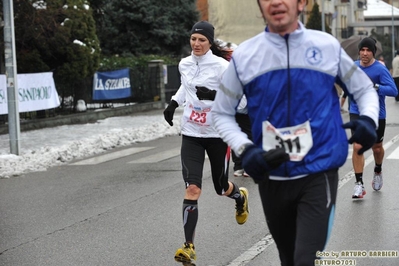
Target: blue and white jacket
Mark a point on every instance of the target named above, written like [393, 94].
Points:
[289, 80]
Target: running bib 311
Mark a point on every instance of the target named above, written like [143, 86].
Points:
[296, 140]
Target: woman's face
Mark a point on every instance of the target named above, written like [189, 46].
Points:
[199, 44]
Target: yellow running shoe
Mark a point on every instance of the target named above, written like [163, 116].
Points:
[186, 254]
[242, 211]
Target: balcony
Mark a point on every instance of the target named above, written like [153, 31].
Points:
[361, 5]
[345, 32]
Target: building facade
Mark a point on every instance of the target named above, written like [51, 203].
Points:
[237, 20]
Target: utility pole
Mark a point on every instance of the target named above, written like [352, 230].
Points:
[393, 35]
[323, 14]
[11, 76]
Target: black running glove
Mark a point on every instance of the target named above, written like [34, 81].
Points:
[257, 162]
[170, 111]
[203, 93]
[364, 132]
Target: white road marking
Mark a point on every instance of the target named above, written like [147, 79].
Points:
[159, 156]
[350, 151]
[394, 154]
[253, 251]
[112, 156]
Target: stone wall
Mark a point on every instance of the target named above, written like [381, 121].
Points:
[235, 20]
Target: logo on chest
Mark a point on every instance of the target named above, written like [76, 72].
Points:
[313, 55]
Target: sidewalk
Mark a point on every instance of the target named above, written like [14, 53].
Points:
[43, 148]
[84, 117]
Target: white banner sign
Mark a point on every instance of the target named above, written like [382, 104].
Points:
[35, 92]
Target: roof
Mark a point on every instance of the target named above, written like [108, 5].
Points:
[379, 8]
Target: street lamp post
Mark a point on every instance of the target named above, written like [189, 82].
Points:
[323, 22]
[11, 76]
[393, 35]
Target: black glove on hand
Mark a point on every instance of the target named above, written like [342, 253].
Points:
[364, 132]
[203, 93]
[170, 111]
[257, 162]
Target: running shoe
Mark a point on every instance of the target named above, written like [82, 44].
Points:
[358, 191]
[242, 211]
[186, 254]
[239, 172]
[377, 181]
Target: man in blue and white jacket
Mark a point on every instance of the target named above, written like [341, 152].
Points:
[287, 74]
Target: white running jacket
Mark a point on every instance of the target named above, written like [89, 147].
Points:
[203, 71]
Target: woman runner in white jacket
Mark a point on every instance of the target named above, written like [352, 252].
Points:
[201, 74]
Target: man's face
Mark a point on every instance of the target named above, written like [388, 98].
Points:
[366, 56]
[281, 16]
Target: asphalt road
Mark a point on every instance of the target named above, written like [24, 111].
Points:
[127, 211]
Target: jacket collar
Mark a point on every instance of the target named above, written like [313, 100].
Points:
[202, 58]
[294, 38]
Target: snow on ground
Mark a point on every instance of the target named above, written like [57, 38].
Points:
[44, 148]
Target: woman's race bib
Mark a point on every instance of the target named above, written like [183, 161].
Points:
[198, 118]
